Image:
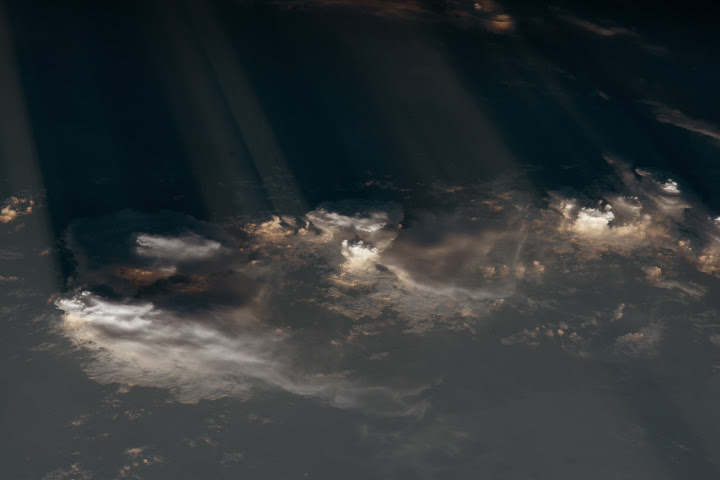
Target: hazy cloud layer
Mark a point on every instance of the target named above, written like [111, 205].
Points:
[207, 310]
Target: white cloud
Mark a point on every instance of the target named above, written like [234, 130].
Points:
[359, 253]
[670, 186]
[650, 213]
[196, 356]
[372, 264]
[371, 222]
[600, 228]
[181, 248]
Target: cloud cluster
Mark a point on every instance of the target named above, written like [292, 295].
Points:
[187, 310]
[643, 232]
[15, 207]
[652, 218]
[441, 268]
[206, 310]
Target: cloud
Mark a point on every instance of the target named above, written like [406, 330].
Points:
[15, 207]
[188, 309]
[603, 31]
[673, 116]
[140, 457]
[143, 255]
[483, 13]
[75, 472]
[354, 216]
[177, 249]
[644, 231]
[442, 269]
[656, 276]
[148, 336]
[618, 223]
[456, 255]
[651, 213]
[206, 310]
[643, 343]
[609, 29]
[197, 357]
[363, 247]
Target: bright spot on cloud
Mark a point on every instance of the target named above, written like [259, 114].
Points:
[15, 207]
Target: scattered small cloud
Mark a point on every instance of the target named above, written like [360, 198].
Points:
[14, 208]
[139, 457]
[73, 472]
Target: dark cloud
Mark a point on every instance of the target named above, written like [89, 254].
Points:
[165, 258]
[597, 29]
[610, 29]
[673, 116]
[487, 14]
